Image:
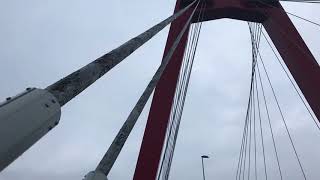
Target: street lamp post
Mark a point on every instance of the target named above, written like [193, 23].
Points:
[203, 157]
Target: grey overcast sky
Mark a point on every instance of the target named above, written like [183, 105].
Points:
[42, 41]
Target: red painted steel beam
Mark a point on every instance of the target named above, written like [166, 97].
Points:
[154, 135]
[296, 55]
[293, 50]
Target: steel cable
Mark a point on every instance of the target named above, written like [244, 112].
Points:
[256, 49]
[177, 108]
[282, 116]
[291, 81]
[115, 148]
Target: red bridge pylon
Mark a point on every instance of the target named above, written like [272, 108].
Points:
[296, 55]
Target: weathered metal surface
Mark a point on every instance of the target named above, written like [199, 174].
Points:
[114, 150]
[95, 175]
[25, 119]
[70, 86]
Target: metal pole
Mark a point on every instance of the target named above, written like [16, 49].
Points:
[202, 157]
[204, 177]
[72, 85]
[114, 150]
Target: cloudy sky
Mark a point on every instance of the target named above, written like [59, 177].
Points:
[42, 41]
